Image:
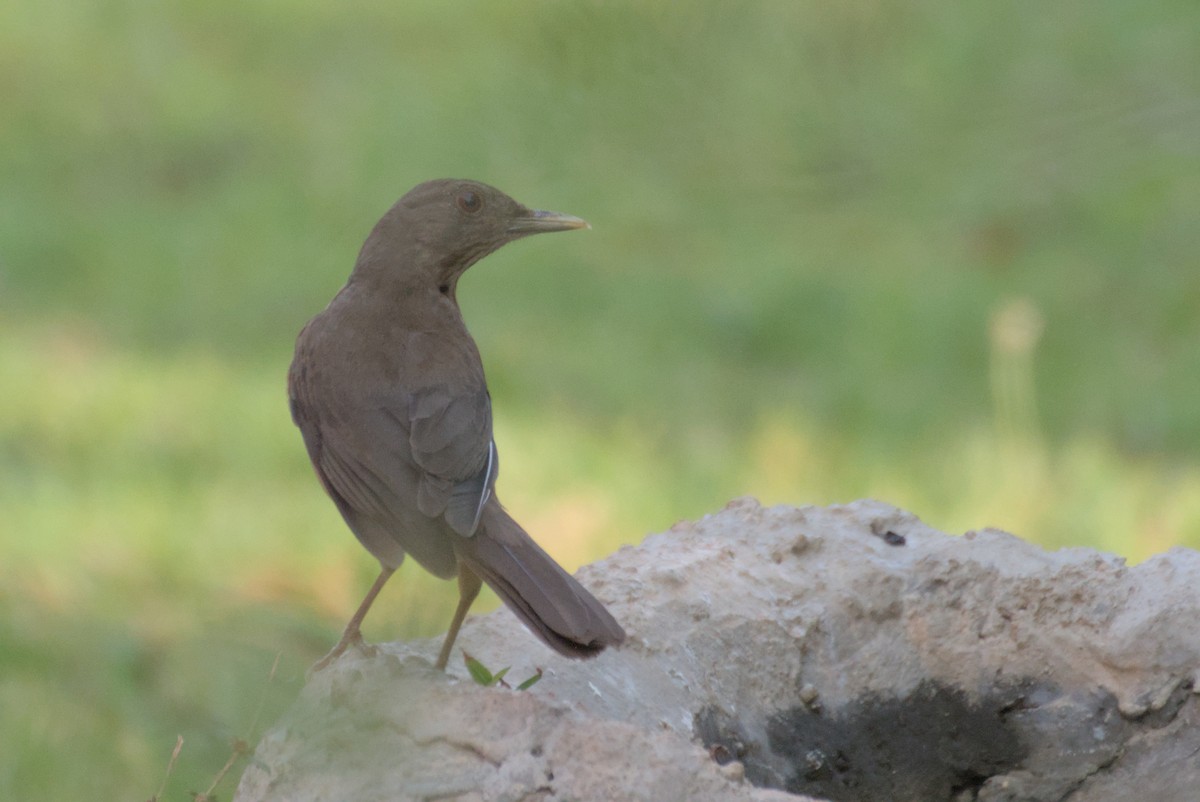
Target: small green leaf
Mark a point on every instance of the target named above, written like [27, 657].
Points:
[529, 683]
[478, 670]
[483, 675]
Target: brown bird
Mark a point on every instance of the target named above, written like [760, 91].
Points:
[388, 390]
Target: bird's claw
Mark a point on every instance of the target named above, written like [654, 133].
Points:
[350, 639]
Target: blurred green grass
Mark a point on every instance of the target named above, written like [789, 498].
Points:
[940, 254]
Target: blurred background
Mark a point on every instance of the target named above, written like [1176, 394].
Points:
[941, 254]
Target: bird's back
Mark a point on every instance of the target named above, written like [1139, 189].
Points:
[354, 380]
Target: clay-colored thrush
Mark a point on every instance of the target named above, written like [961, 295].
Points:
[388, 390]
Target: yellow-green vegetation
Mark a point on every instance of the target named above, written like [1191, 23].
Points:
[941, 254]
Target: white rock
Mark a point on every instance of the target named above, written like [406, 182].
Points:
[850, 653]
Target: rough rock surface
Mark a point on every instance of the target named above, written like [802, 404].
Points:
[847, 653]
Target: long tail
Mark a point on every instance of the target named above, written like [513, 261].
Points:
[546, 598]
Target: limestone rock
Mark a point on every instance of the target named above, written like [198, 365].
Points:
[847, 653]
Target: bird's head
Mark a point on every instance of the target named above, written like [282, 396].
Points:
[440, 228]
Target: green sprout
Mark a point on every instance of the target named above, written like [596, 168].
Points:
[484, 676]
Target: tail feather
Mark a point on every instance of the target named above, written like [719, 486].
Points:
[546, 598]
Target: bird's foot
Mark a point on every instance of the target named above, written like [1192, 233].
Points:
[348, 640]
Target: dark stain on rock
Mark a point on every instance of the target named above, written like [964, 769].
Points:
[934, 744]
[1163, 715]
[727, 740]
[722, 735]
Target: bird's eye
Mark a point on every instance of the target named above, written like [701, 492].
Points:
[469, 201]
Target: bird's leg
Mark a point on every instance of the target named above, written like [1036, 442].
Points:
[352, 635]
[468, 588]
